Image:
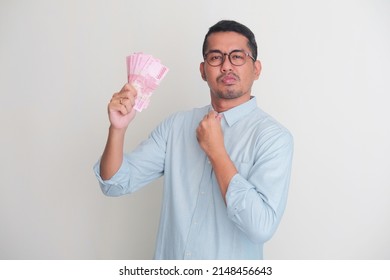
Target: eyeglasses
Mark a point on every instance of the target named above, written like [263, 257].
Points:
[236, 57]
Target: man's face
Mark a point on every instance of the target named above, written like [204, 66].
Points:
[228, 81]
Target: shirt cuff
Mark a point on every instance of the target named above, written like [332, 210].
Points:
[117, 184]
[236, 194]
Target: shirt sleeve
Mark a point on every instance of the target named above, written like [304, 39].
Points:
[143, 165]
[256, 203]
[117, 184]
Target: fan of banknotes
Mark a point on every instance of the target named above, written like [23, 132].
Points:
[145, 73]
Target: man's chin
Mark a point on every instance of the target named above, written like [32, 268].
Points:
[229, 94]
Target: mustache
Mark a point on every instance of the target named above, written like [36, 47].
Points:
[220, 77]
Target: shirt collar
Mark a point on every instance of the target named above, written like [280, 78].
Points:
[237, 113]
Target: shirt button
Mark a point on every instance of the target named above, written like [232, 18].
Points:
[188, 254]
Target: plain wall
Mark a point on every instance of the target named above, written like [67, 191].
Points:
[325, 77]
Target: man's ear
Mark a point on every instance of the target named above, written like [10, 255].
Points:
[202, 72]
[257, 69]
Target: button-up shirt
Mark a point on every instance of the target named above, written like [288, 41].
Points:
[195, 222]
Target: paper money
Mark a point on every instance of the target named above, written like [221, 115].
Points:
[145, 73]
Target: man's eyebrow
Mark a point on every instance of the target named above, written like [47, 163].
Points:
[214, 50]
[219, 51]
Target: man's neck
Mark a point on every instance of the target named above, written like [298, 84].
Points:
[221, 105]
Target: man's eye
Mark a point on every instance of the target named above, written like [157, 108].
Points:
[237, 56]
[215, 57]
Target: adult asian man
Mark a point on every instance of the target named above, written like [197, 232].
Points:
[226, 166]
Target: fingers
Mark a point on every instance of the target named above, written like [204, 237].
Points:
[124, 100]
[210, 121]
[213, 115]
[127, 92]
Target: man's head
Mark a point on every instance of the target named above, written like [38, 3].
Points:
[232, 26]
[230, 66]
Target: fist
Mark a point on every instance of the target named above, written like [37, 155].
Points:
[120, 108]
[209, 133]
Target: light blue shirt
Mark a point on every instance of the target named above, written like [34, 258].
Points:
[195, 222]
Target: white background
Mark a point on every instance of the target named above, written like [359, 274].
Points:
[325, 77]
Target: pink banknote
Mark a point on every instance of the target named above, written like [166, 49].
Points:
[145, 73]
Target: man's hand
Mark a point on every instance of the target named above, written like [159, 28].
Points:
[120, 108]
[209, 134]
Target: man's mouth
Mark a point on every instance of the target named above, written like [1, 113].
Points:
[229, 79]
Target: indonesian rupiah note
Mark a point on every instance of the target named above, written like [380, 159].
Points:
[145, 73]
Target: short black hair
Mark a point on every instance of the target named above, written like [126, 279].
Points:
[232, 26]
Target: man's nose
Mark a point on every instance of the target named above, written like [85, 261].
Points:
[226, 65]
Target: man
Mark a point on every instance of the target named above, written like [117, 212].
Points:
[226, 166]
